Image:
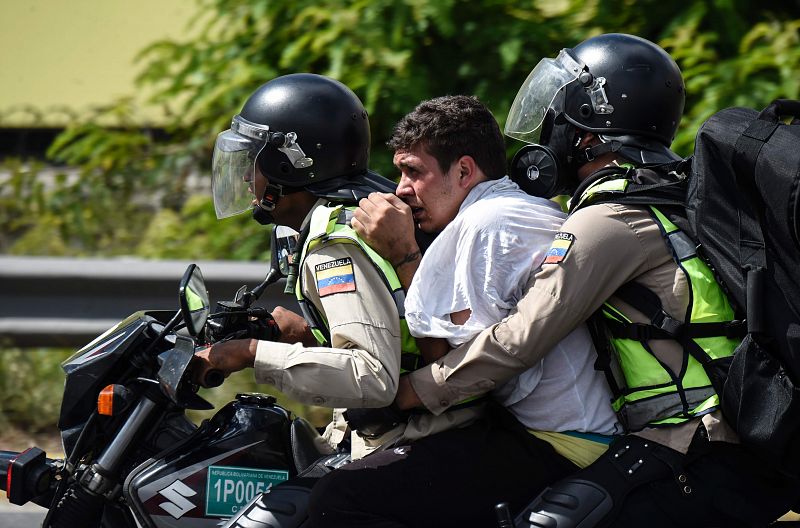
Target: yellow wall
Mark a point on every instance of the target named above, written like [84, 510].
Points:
[77, 53]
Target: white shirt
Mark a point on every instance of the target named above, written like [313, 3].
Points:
[481, 261]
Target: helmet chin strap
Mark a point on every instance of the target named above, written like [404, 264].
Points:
[586, 155]
[262, 212]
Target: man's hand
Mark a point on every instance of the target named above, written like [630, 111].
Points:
[385, 222]
[294, 329]
[226, 357]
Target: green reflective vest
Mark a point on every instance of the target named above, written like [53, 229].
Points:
[331, 225]
[648, 393]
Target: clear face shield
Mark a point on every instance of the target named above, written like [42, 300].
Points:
[233, 167]
[541, 91]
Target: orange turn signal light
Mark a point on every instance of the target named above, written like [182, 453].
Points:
[105, 401]
[113, 400]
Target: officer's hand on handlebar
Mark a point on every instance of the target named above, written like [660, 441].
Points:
[222, 359]
[386, 223]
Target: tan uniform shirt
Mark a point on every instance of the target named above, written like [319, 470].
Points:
[362, 366]
[612, 244]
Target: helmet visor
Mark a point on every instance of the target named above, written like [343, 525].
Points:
[543, 89]
[233, 171]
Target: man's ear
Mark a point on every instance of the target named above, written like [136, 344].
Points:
[469, 174]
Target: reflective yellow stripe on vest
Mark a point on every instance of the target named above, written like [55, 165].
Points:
[651, 394]
[330, 225]
[600, 187]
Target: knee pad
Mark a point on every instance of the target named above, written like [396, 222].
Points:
[570, 503]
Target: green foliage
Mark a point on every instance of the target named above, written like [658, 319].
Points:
[192, 233]
[750, 67]
[130, 185]
[31, 383]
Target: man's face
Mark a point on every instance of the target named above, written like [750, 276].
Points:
[434, 196]
[290, 209]
[256, 183]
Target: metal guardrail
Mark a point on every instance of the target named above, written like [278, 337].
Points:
[60, 302]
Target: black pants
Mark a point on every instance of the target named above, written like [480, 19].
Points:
[454, 478]
[725, 486]
[715, 484]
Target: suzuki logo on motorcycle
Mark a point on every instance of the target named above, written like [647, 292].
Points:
[176, 493]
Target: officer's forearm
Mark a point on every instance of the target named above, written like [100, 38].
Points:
[406, 396]
[230, 356]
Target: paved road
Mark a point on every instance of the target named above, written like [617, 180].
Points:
[28, 516]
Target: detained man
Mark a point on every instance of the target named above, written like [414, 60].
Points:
[491, 237]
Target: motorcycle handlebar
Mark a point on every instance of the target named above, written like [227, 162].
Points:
[27, 475]
[213, 378]
[259, 312]
[6, 457]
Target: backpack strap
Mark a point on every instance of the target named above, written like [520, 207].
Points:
[751, 238]
[669, 190]
[646, 301]
[599, 332]
[662, 326]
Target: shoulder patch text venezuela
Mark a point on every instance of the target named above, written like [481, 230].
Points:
[335, 276]
[560, 247]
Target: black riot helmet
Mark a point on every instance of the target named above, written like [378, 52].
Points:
[625, 89]
[303, 131]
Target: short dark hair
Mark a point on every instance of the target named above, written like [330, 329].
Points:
[450, 127]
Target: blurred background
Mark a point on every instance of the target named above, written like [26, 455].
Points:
[109, 111]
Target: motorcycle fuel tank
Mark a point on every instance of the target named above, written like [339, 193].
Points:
[240, 452]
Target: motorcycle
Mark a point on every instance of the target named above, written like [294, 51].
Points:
[132, 457]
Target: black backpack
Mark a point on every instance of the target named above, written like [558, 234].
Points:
[743, 206]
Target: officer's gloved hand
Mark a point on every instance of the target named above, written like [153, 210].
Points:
[374, 422]
[264, 328]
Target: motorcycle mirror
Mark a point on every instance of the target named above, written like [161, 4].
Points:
[195, 305]
[284, 244]
[282, 247]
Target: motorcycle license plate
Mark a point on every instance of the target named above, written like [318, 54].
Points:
[229, 487]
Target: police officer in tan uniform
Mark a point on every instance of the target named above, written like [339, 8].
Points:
[616, 100]
[297, 155]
